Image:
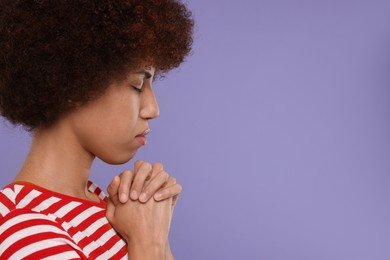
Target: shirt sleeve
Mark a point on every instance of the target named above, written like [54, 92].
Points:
[29, 235]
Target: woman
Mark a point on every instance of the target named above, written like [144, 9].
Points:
[78, 75]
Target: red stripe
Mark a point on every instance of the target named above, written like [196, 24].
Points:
[100, 232]
[37, 200]
[84, 225]
[75, 212]
[6, 201]
[98, 191]
[54, 207]
[90, 220]
[121, 253]
[54, 251]
[25, 241]
[57, 223]
[25, 224]
[23, 192]
[108, 245]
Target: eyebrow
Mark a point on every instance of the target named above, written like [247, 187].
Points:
[146, 73]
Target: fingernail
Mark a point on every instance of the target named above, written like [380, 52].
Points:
[157, 196]
[123, 197]
[134, 195]
[142, 197]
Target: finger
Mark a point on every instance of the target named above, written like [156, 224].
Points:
[156, 183]
[157, 168]
[168, 192]
[126, 178]
[137, 164]
[144, 170]
[171, 181]
[112, 190]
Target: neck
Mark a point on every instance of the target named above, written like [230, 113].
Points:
[58, 162]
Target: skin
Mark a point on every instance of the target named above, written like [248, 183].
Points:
[60, 159]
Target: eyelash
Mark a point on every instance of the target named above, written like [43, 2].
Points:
[138, 90]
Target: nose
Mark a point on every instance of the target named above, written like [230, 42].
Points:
[149, 106]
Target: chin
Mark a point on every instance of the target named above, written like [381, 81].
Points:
[117, 159]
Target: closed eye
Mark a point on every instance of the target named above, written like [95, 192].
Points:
[138, 89]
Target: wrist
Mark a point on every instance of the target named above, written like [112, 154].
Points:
[143, 252]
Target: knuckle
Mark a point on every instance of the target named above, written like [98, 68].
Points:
[172, 180]
[164, 175]
[163, 193]
[110, 189]
[179, 187]
[123, 188]
[123, 183]
[146, 166]
[138, 162]
[137, 184]
[126, 172]
[158, 166]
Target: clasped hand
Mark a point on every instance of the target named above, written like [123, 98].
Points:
[140, 207]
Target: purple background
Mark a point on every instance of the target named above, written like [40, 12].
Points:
[278, 129]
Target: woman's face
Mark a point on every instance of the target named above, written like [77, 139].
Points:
[108, 126]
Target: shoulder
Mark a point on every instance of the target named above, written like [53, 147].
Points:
[27, 230]
[25, 233]
[20, 196]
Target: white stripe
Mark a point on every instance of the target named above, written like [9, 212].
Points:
[118, 246]
[20, 218]
[64, 255]
[104, 256]
[92, 188]
[3, 209]
[10, 194]
[66, 226]
[28, 198]
[90, 247]
[84, 215]
[94, 226]
[17, 189]
[112, 251]
[46, 203]
[43, 244]
[66, 209]
[9, 241]
[106, 236]
[102, 195]
[78, 236]
[126, 257]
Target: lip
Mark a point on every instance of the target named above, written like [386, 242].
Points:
[141, 138]
[144, 133]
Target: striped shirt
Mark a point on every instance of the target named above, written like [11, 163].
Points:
[36, 223]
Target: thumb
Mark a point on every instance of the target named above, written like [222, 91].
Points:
[110, 210]
[112, 190]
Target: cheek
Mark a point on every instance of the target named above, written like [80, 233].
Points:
[125, 116]
[107, 129]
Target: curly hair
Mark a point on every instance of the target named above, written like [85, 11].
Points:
[53, 51]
